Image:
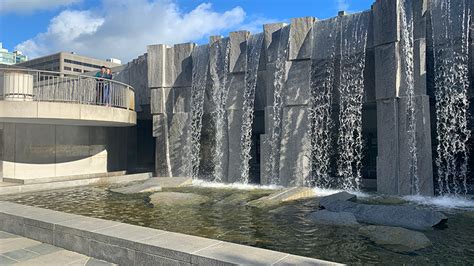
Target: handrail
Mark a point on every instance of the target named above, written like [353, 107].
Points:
[41, 85]
[58, 73]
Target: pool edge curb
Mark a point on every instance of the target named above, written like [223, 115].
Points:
[127, 244]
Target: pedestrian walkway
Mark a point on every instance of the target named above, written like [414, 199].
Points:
[17, 250]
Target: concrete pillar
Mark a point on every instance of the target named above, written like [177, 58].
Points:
[393, 150]
[169, 79]
[301, 38]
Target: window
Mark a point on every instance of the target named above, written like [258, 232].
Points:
[77, 70]
[67, 68]
[81, 63]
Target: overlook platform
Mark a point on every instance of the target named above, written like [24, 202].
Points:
[45, 97]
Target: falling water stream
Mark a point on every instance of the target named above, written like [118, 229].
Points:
[220, 93]
[273, 165]
[320, 107]
[351, 89]
[450, 22]
[407, 63]
[254, 47]
[343, 39]
[200, 68]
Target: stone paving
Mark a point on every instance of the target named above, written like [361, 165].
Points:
[17, 250]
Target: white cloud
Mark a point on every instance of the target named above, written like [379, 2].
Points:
[28, 6]
[123, 28]
[342, 5]
[255, 24]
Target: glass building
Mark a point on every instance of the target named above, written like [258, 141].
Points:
[11, 58]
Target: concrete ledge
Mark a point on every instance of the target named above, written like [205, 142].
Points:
[15, 189]
[126, 244]
[65, 114]
[24, 181]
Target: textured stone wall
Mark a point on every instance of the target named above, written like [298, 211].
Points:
[135, 73]
[391, 94]
[300, 45]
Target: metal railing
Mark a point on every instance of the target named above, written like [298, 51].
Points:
[18, 84]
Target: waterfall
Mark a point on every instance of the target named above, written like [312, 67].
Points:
[254, 48]
[320, 107]
[450, 27]
[354, 30]
[273, 166]
[200, 58]
[220, 93]
[407, 63]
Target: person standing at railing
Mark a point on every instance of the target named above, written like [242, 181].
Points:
[100, 76]
[108, 87]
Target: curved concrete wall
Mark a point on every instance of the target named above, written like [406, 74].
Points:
[35, 151]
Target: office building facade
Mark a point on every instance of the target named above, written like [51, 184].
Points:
[67, 63]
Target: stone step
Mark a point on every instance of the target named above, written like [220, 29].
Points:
[40, 180]
[104, 181]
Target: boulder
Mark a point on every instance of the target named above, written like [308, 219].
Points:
[286, 195]
[340, 196]
[150, 185]
[395, 238]
[387, 200]
[392, 215]
[177, 199]
[333, 218]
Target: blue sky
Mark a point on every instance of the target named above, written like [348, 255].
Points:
[122, 28]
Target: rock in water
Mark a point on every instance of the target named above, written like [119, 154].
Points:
[150, 185]
[240, 199]
[281, 196]
[396, 238]
[340, 196]
[177, 199]
[392, 215]
[333, 218]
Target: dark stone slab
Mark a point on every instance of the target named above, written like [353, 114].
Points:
[391, 215]
[395, 238]
[333, 218]
[341, 196]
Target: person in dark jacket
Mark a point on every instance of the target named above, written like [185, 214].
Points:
[100, 76]
[108, 87]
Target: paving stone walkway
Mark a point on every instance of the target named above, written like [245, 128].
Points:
[17, 250]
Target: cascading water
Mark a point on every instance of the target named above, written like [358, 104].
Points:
[273, 166]
[320, 108]
[254, 47]
[450, 22]
[406, 45]
[220, 93]
[200, 58]
[351, 88]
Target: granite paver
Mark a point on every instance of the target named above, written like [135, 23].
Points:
[17, 250]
